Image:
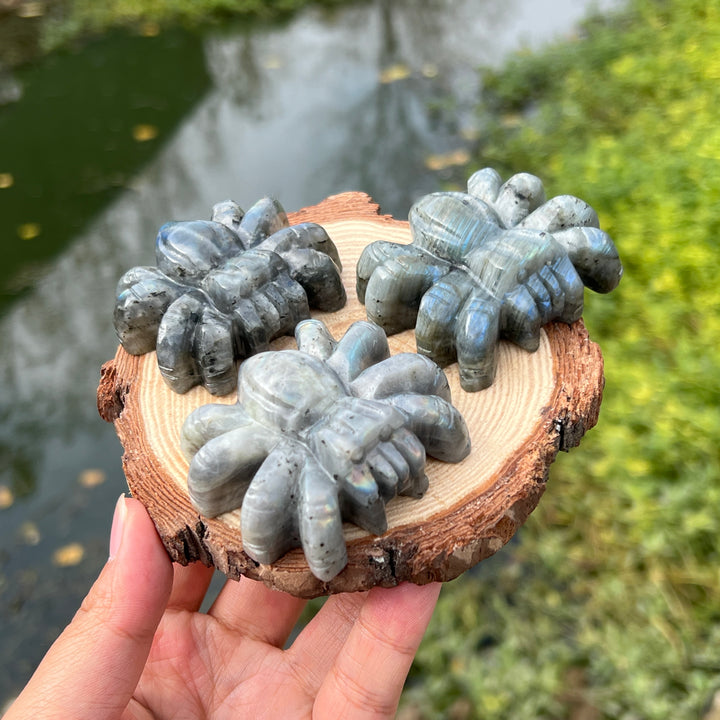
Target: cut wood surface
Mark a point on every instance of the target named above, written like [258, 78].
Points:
[540, 403]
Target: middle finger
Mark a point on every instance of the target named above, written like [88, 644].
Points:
[255, 611]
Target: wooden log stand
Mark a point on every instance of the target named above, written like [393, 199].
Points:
[540, 403]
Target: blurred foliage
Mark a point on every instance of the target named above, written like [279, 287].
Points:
[609, 605]
[79, 17]
[29, 28]
[19, 38]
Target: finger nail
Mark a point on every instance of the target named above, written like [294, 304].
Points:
[117, 526]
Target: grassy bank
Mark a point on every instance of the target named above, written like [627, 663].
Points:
[79, 17]
[29, 29]
[609, 604]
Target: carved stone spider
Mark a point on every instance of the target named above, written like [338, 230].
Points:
[332, 430]
[223, 289]
[495, 262]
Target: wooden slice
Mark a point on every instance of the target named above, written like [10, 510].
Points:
[540, 403]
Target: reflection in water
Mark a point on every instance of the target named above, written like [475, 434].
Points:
[87, 122]
[300, 112]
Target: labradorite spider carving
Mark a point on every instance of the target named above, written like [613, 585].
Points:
[329, 432]
[495, 262]
[223, 289]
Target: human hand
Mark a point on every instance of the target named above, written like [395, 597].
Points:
[138, 648]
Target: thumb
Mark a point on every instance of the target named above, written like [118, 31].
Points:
[92, 669]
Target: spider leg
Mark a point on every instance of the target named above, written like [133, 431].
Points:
[318, 274]
[214, 349]
[313, 261]
[320, 523]
[436, 423]
[272, 310]
[223, 467]
[572, 288]
[143, 296]
[530, 306]
[361, 500]
[559, 213]
[518, 197]
[485, 184]
[541, 295]
[395, 468]
[521, 318]
[208, 422]
[374, 255]
[229, 213]
[384, 472]
[175, 341]
[548, 288]
[594, 255]
[304, 235]
[364, 344]
[269, 514]
[195, 345]
[557, 296]
[249, 328]
[436, 322]
[476, 338]
[395, 289]
[263, 219]
[282, 303]
[268, 317]
[313, 337]
[401, 373]
[413, 452]
[398, 465]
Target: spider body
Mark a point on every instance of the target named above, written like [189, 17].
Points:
[331, 431]
[223, 289]
[496, 262]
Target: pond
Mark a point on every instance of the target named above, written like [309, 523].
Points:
[103, 143]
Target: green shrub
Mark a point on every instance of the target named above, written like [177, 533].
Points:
[610, 602]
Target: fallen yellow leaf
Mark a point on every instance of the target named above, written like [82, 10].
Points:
[6, 181]
[144, 132]
[6, 497]
[91, 477]
[69, 555]
[393, 73]
[446, 160]
[29, 231]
